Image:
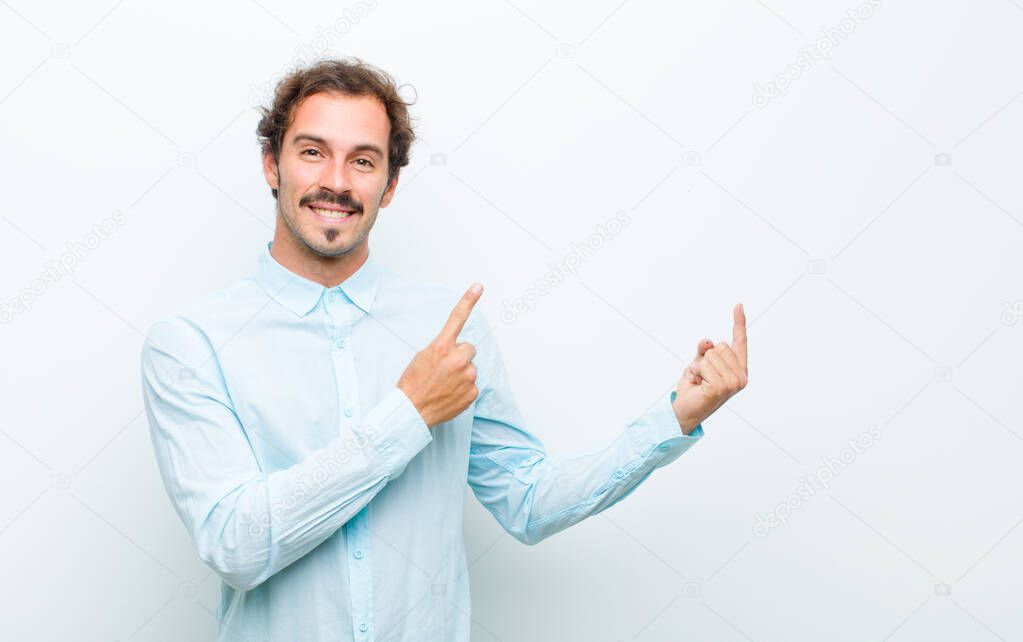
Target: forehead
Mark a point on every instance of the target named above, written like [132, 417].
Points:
[341, 120]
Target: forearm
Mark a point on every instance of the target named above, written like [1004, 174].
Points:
[535, 495]
[249, 528]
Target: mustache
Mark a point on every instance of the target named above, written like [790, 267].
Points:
[341, 200]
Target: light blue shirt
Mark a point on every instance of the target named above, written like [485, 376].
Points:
[311, 485]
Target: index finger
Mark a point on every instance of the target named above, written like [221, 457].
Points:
[739, 334]
[449, 333]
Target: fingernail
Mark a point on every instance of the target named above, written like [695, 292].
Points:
[476, 288]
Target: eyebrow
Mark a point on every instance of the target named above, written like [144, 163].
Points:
[362, 147]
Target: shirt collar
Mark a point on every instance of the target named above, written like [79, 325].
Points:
[301, 295]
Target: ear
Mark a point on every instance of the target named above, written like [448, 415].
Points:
[270, 172]
[385, 200]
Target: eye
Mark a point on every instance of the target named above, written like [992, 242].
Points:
[315, 151]
[368, 162]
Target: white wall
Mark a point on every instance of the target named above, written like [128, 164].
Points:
[881, 281]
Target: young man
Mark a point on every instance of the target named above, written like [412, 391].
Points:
[316, 458]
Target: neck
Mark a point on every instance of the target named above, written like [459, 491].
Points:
[328, 271]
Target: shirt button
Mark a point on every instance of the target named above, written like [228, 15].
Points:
[331, 296]
[348, 412]
[340, 343]
[358, 555]
[663, 447]
[619, 474]
[363, 627]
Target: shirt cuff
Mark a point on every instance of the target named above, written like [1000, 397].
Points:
[396, 431]
[658, 435]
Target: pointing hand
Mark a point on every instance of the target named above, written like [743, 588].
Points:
[441, 379]
[716, 373]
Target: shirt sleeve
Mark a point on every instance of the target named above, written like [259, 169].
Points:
[534, 495]
[248, 523]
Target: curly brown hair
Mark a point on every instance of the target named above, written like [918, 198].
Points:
[352, 77]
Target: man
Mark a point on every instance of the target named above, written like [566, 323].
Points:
[317, 459]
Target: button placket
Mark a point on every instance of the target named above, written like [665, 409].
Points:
[345, 375]
[360, 570]
[360, 574]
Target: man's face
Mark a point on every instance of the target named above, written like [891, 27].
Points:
[331, 177]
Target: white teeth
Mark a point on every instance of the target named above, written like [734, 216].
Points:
[331, 213]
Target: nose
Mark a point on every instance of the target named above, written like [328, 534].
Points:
[336, 177]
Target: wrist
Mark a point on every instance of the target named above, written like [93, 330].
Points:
[417, 404]
[687, 423]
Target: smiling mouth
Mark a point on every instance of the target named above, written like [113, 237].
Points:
[332, 214]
